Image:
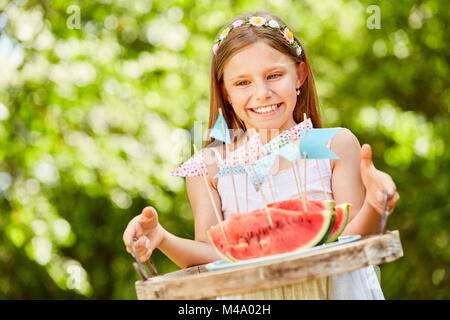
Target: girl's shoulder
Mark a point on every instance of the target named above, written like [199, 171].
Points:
[343, 138]
[345, 145]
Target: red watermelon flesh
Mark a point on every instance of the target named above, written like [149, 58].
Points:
[250, 235]
[342, 213]
[297, 205]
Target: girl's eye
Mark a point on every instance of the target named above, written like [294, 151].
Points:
[242, 83]
[275, 75]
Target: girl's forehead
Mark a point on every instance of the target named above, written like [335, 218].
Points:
[255, 58]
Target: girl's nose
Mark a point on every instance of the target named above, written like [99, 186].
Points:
[262, 91]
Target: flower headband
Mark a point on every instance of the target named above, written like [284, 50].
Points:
[258, 22]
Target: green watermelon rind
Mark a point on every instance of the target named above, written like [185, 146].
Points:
[329, 230]
[330, 205]
[328, 215]
[345, 207]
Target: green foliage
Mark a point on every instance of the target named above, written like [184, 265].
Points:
[93, 119]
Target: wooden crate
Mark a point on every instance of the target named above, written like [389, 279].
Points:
[199, 283]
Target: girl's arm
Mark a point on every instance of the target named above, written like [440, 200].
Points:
[356, 181]
[184, 252]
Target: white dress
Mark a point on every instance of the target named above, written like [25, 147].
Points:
[361, 284]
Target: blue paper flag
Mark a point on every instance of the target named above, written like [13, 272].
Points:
[289, 152]
[218, 131]
[225, 171]
[314, 143]
[261, 168]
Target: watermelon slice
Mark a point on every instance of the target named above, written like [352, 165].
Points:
[250, 235]
[297, 205]
[342, 212]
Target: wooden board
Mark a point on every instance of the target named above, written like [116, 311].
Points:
[199, 283]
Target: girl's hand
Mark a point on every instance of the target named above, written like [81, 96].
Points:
[376, 182]
[148, 232]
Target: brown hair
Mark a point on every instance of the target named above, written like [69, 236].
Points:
[241, 37]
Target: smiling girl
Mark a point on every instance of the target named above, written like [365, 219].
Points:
[262, 80]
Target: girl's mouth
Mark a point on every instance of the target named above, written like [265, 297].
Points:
[266, 110]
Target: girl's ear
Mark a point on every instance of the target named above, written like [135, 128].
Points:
[302, 74]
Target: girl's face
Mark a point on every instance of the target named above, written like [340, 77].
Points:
[260, 83]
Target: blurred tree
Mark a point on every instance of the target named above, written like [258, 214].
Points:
[97, 102]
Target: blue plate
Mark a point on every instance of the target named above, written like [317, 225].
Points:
[222, 264]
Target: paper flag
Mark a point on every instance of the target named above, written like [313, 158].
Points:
[225, 171]
[294, 132]
[218, 131]
[314, 143]
[283, 138]
[275, 144]
[193, 167]
[261, 168]
[241, 156]
[289, 152]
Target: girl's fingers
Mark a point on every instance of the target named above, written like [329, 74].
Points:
[139, 247]
[149, 218]
[146, 256]
[366, 156]
[392, 203]
[143, 248]
[391, 188]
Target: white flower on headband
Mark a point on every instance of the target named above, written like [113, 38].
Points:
[224, 33]
[299, 50]
[257, 21]
[273, 24]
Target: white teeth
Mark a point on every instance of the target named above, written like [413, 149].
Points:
[266, 109]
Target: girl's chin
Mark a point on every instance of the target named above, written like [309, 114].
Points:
[272, 125]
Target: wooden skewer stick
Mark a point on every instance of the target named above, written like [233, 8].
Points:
[268, 178]
[270, 183]
[262, 195]
[211, 198]
[304, 154]
[246, 174]
[303, 190]
[231, 166]
[296, 180]
[317, 164]
[253, 131]
[246, 192]
[306, 181]
[321, 180]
